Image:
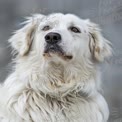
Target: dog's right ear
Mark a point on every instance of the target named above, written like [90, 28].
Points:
[22, 39]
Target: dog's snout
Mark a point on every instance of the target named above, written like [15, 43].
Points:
[53, 38]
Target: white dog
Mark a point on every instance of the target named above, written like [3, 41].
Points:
[56, 74]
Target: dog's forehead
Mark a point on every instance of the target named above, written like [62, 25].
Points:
[63, 18]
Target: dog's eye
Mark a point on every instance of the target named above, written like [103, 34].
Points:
[75, 29]
[46, 28]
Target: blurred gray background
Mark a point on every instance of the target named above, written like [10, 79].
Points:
[107, 13]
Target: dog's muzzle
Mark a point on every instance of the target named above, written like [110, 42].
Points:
[52, 40]
[52, 46]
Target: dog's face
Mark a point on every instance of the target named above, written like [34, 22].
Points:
[61, 37]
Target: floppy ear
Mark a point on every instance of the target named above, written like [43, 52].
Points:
[100, 47]
[22, 39]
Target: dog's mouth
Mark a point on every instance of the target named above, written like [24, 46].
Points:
[57, 50]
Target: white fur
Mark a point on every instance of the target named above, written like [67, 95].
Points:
[52, 89]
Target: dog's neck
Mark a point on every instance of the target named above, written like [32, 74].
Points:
[57, 79]
[55, 86]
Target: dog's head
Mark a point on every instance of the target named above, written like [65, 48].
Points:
[61, 38]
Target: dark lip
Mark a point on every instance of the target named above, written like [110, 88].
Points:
[56, 49]
[53, 48]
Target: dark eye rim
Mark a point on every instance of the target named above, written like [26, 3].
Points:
[75, 29]
[46, 28]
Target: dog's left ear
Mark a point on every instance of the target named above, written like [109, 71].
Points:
[22, 39]
[100, 47]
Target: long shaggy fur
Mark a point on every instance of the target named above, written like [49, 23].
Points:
[49, 88]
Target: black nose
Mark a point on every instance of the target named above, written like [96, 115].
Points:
[53, 38]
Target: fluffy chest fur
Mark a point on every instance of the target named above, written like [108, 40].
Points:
[33, 98]
[31, 106]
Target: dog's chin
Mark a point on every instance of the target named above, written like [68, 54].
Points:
[56, 51]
